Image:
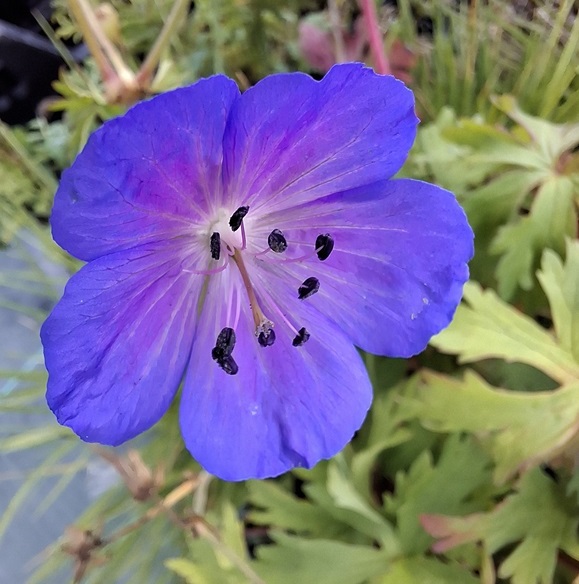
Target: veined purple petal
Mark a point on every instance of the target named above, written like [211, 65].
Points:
[287, 406]
[396, 273]
[290, 139]
[117, 343]
[148, 175]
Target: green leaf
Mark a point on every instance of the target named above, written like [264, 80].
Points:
[422, 570]
[561, 284]
[345, 496]
[204, 567]
[537, 518]
[232, 530]
[294, 559]
[189, 571]
[443, 487]
[487, 327]
[553, 210]
[495, 201]
[360, 528]
[550, 140]
[552, 219]
[275, 506]
[516, 243]
[521, 429]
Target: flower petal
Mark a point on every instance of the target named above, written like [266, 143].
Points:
[147, 175]
[287, 406]
[290, 139]
[117, 343]
[395, 276]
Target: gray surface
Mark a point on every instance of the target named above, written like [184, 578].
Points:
[30, 532]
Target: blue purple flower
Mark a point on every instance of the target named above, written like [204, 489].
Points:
[245, 245]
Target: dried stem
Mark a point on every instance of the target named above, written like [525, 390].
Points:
[93, 32]
[381, 63]
[85, 23]
[163, 506]
[336, 28]
[200, 495]
[172, 24]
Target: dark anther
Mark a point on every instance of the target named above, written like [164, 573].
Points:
[221, 353]
[237, 218]
[324, 246]
[266, 338]
[215, 245]
[277, 241]
[224, 345]
[228, 365]
[301, 338]
[308, 287]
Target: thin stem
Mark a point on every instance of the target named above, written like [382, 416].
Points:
[40, 173]
[201, 492]
[164, 505]
[336, 28]
[172, 24]
[205, 531]
[381, 63]
[85, 25]
[98, 42]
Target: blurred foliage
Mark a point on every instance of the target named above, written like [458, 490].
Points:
[467, 468]
[481, 48]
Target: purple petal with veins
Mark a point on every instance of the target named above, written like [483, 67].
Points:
[246, 245]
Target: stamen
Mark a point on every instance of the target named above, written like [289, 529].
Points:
[215, 245]
[266, 338]
[207, 272]
[324, 246]
[301, 338]
[308, 287]
[224, 345]
[273, 306]
[277, 241]
[243, 237]
[237, 218]
[221, 353]
[228, 365]
[259, 318]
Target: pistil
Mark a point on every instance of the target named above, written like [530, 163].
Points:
[263, 326]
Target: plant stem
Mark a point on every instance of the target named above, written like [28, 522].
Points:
[172, 24]
[94, 48]
[336, 28]
[204, 530]
[100, 45]
[200, 495]
[381, 63]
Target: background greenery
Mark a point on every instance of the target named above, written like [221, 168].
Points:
[467, 468]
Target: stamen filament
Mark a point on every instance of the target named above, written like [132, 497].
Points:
[206, 272]
[243, 238]
[279, 312]
[258, 316]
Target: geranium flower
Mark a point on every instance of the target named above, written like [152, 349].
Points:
[247, 244]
